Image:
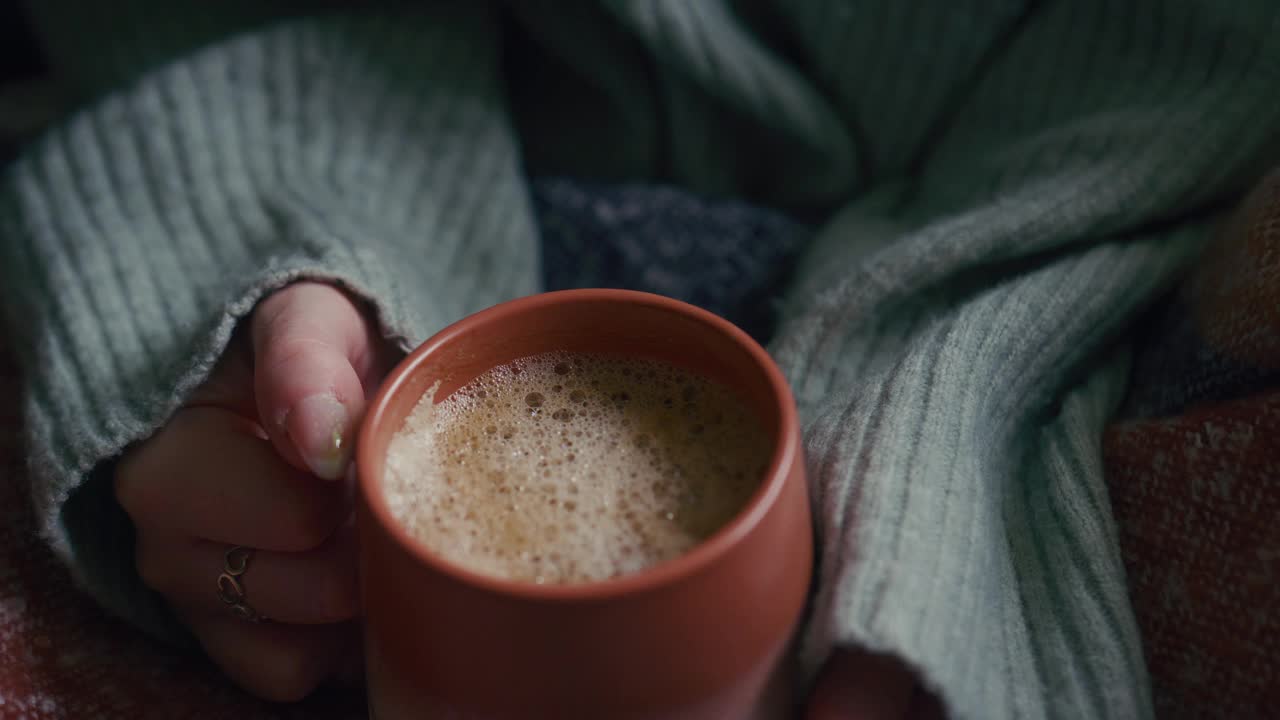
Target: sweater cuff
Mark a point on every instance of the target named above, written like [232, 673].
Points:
[370, 152]
[953, 443]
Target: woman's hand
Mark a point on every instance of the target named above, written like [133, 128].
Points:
[257, 458]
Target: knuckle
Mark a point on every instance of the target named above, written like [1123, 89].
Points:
[142, 473]
[273, 307]
[288, 311]
[296, 351]
[302, 322]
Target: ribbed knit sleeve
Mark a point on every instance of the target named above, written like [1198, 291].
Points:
[370, 152]
[1024, 179]
[957, 340]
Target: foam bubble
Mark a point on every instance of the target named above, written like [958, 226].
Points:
[513, 477]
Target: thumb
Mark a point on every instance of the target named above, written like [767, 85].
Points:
[310, 348]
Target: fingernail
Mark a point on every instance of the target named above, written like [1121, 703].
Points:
[319, 427]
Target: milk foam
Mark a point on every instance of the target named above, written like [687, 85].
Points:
[564, 468]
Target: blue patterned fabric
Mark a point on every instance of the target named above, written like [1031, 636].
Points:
[722, 255]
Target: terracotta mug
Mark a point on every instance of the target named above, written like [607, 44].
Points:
[698, 637]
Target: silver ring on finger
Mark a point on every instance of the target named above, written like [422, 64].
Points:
[231, 589]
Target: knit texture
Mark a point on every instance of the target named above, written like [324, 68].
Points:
[1003, 187]
[138, 233]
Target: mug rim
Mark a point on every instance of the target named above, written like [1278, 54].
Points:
[665, 573]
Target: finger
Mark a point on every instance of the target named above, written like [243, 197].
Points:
[277, 662]
[208, 474]
[310, 345]
[317, 586]
[857, 685]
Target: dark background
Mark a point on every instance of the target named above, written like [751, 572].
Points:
[21, 67]
[19, 58]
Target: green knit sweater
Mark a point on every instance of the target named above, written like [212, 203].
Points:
[1003, 185]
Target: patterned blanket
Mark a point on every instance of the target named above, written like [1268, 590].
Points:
[1194, 474]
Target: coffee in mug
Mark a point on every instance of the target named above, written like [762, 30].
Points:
[700, 633]
[572, 467]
